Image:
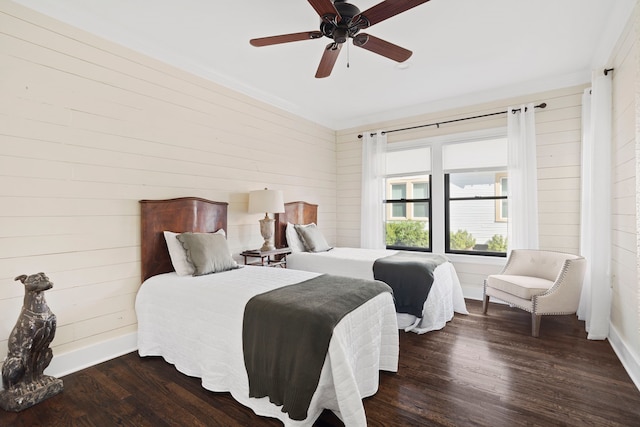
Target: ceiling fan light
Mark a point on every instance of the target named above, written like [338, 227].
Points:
[340, 35]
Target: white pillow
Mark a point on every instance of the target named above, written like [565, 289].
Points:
[312, 238]
[208, 252]
[178, 253]
[293, 240]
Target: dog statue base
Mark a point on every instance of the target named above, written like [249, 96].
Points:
[29, 354]
[27, 395]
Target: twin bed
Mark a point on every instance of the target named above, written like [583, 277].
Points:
[444, 297]
[198, 322]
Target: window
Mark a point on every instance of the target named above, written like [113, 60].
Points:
[471, 213]
[448, 194]
[408, 212]
[408, 202]
[475, 192]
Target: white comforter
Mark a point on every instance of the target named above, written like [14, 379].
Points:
[445, 296]
[195, 323]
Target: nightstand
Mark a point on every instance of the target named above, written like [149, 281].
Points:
[274, 258]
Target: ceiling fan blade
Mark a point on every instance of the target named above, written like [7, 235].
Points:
[285, 38]
[328, 60]
[325, 8]
[389, 8]
[382, 47]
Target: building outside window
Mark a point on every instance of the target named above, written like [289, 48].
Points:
[398, 192]
[411, 188]
[502, 205]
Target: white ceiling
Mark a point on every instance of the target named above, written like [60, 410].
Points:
[464, 51]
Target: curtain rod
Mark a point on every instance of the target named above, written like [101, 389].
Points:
[542, 105]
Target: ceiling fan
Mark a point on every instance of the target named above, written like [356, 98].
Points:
[340, 21]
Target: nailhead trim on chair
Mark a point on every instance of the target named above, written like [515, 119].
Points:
[561, 275]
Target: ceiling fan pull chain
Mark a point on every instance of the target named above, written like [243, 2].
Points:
[348, 55]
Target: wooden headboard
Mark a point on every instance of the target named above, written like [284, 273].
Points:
[177, 215]
[295, 213]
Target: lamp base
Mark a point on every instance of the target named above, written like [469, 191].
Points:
[267, 247]
[267, 226]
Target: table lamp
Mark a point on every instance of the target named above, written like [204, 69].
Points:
[266, 201]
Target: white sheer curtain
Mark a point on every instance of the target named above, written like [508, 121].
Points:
[373, 172]
[595, 242]
[523, 177]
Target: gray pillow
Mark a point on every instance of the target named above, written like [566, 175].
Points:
[208, 252]
[312, 238]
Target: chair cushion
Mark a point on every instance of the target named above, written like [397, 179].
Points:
[521, 286]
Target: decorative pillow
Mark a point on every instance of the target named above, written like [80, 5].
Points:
[312, 238]
[293, 240]
[178, 254]
[208, 252]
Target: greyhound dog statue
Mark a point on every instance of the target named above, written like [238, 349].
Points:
[29, 354]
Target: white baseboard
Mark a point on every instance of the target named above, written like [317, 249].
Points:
[473, 292]
[629, 359]
[76, 360]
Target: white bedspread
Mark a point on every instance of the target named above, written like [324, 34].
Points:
[445, 296]
[195, 323]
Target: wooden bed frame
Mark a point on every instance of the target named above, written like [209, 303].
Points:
[295, 213]
[177, 215]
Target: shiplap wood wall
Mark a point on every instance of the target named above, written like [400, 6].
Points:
[88, 128]
[558, 129]
[625, 307]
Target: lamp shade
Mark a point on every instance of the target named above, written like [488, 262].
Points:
[266, 201]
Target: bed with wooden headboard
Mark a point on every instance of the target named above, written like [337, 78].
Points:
[294, 213]
[196, 323]
[444, 297]
[177, 215]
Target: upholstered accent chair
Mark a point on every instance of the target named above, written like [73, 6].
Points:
[540, 282]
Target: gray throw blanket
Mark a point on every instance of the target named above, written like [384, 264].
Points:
[286, 334]
[410, 275]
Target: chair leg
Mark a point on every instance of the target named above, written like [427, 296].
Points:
[485, 303]
[535, 324]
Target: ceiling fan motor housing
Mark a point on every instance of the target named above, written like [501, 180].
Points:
[341, 31]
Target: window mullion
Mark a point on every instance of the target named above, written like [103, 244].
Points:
[437, 199]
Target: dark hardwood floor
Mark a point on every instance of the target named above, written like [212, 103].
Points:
[477, 371]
